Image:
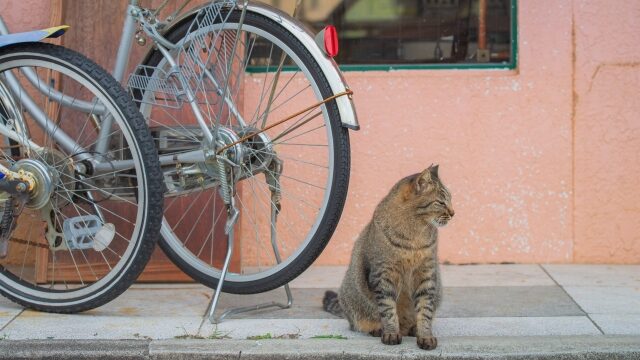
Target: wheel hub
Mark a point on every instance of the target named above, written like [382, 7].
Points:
[236, 153]
[258, 149]
[41, 177]
[250, 157]
[44, 174]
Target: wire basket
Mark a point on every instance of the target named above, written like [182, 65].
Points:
[153, 86]
[204, 46]
[204, 51]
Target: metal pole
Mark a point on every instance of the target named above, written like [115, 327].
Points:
[126, 39]
[225, 267]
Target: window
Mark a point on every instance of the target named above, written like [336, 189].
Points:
[384, 34]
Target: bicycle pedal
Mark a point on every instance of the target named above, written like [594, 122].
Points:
[87, 232]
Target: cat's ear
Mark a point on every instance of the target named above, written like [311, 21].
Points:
[434, 170]
[423, 181]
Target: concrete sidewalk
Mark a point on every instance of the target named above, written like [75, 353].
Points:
[496, 310]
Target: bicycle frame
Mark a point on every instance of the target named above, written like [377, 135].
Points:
[132, 18]
[122, 57]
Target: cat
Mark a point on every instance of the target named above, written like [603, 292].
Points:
[392, 286]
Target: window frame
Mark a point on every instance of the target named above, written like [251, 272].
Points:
[511, 65]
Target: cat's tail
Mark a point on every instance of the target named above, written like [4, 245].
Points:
[331, 304]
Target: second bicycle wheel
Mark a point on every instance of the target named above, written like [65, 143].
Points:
[84, 228]
[300, 167]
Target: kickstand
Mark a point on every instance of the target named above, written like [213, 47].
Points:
[214, 302]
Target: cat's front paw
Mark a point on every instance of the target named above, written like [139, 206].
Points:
[391, 338]
[427, 342]
[376, 332]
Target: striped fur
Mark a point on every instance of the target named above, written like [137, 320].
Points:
[392, 287]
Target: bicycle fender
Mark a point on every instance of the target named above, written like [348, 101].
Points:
[331, 70]
[327, 64]
[32, 36]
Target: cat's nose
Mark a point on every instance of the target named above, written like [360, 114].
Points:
[451, 212]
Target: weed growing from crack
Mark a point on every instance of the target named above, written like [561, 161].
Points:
[331, 336]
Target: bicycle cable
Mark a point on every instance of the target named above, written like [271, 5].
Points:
[348, 92]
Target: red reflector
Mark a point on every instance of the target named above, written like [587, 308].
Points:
[331, 40]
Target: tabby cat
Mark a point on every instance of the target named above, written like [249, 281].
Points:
[392, 286]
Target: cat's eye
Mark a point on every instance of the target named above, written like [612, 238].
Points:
[426, 205]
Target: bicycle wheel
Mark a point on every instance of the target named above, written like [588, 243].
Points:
[87, 226]
[308, 154]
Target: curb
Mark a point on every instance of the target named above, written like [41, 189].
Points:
[477, 348]
[74, 349]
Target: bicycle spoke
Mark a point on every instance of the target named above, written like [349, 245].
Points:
[197, 220]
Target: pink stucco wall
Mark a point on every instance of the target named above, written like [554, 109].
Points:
[606, 121]
[542, 161]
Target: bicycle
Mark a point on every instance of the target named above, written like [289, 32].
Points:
[210, 89]
[62, 206]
